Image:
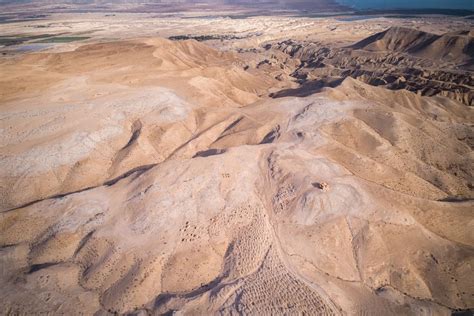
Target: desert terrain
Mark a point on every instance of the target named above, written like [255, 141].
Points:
[234, 163]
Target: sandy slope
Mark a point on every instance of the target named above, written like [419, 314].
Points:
[196, 194]
[72, 120]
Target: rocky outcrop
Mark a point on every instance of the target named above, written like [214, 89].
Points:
[397, 58]
[453, 47]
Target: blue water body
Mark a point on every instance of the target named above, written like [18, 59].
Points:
[33, 47]
[409, 4]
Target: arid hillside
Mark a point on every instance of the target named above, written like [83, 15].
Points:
[150, 176]
[397, 58]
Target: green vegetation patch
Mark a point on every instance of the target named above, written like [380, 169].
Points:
[201, 38]
[19, 39]
[63, 39]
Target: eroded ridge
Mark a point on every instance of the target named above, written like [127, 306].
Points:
[147, 176]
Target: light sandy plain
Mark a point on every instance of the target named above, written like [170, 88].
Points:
[147, 176]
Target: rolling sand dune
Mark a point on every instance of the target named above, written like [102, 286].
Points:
[149, 177]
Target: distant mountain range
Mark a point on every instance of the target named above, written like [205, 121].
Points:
[325, 5]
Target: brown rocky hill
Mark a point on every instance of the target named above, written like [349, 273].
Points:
[398, 58]
[163, 184]
[454, 47]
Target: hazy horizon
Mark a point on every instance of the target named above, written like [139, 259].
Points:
[299, 4]
[409, 4]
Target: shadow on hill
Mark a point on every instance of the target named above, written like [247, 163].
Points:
[307, 88]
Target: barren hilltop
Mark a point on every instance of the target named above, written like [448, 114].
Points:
[252, 165]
